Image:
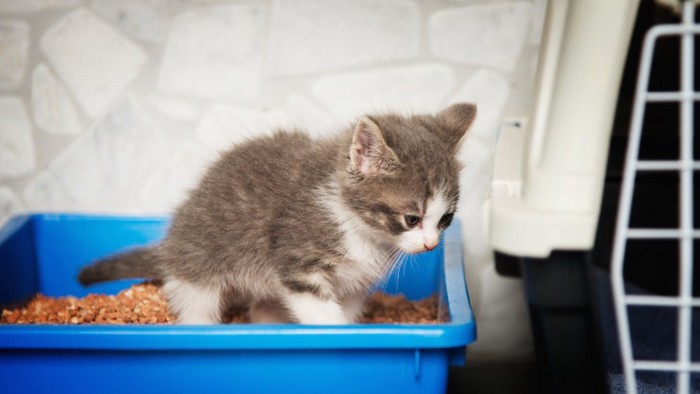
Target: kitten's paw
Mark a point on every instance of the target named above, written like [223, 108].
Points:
[195, 321]
[266, 313]
[309, 309]
[353, 307]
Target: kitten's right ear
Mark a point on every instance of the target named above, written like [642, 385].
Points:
[369, 153]
[455, 121]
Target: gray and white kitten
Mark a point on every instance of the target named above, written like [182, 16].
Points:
[300, 230]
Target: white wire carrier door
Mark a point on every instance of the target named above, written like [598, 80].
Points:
[685, 234]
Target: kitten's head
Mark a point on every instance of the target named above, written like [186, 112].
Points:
[403, 175]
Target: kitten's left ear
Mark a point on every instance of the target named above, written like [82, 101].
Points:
[455, 121]
[369, 153]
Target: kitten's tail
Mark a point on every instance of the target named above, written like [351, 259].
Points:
[137, 263]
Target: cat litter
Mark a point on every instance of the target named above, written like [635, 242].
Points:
[42, 254]
[145, 304]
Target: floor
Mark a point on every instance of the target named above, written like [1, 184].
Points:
[494, 378]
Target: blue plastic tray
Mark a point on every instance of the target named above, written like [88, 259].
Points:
[43, 253]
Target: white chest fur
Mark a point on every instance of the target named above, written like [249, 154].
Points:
[367, 260]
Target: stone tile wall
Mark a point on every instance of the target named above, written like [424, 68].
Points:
[117, 106]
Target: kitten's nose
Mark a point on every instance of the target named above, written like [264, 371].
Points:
[430, 246]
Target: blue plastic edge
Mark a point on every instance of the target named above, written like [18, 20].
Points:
[17, 240]
[12, 226]
[457, 292]
[460, 331]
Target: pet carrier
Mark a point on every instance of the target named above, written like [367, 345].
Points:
[557, 218]
[684, 233]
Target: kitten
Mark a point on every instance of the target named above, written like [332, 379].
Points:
[300, 230]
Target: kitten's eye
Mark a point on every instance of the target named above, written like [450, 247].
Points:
[446, 219]
[411, 220]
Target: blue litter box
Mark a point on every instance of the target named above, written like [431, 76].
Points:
[43, 253]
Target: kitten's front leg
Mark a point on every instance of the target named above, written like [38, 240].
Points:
[353, 307]
[308, 308]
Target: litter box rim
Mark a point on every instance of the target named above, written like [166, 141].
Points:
[459, 331]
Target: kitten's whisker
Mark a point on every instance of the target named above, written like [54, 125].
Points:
[408, 262]
[387, 256]
[389, 262]
[398, 277]
[398, 262]
[411, 262]
[398, 257]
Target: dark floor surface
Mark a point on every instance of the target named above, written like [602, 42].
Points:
[494, 378]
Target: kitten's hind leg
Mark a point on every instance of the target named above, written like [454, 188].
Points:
[267, 313]
[308, 308]
[193, 303]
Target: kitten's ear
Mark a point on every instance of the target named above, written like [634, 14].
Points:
[369, 153]
[455, 120]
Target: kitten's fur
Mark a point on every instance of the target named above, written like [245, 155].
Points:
[300, 230]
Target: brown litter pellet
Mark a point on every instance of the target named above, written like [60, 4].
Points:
[144, 303]
[141, 303]
[384, 308]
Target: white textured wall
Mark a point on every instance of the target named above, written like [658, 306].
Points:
[116, 106]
